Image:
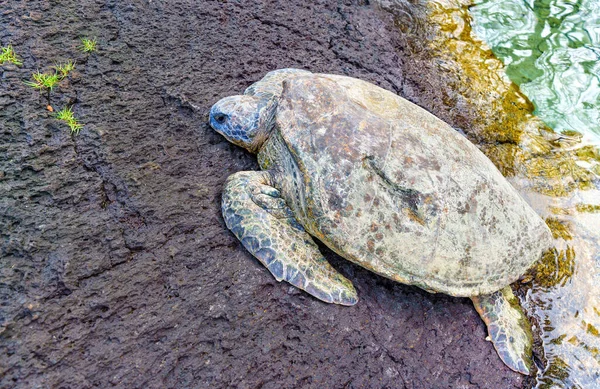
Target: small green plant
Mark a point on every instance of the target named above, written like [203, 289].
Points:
[64, 69]
[88, 45]
[8, 55]
[66, 115]
[43, 80]
[46, 81]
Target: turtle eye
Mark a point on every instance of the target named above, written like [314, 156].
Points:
[220, 118]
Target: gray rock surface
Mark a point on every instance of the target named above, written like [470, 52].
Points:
[117, 269]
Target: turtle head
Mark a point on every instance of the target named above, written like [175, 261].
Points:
[244, 120]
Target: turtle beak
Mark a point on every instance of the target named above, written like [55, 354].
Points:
[237, 119]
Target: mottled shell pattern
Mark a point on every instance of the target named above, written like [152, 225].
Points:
[389, 186]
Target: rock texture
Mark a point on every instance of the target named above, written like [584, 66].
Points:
[117, 269]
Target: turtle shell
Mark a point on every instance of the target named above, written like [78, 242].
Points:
[389, 186]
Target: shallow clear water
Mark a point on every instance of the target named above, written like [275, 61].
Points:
[551, 49]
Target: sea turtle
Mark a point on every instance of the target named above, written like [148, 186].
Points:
[386, 185]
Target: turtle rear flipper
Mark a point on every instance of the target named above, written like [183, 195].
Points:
[508, 328]
[261, 220]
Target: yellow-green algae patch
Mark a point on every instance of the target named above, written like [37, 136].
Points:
[587, 208]
[555, 267]
[559, 228]
[558, 174]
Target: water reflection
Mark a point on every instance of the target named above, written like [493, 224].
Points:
[549, 50]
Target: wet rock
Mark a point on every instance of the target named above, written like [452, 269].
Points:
[117, 268]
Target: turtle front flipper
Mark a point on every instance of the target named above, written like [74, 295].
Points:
[508, 328]
[261, 220]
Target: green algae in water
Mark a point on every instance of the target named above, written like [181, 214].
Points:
[551, 49]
